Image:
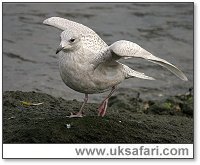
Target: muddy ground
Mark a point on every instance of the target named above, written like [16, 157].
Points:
[128, 120]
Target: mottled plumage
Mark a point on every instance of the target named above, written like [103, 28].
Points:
[88, 65]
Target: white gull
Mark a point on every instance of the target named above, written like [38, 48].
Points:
[88, 65]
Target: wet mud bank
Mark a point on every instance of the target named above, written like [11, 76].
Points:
[31, 117]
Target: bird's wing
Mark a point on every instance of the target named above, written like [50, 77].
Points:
[132, 73]
[126, 49]
[90, 39]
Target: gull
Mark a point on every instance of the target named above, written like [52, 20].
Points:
[88, 65]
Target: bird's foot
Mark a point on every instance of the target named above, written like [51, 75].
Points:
[75, 115]
[102, 108]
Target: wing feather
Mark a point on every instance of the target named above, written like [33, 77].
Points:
[126, 49]
[90, 39]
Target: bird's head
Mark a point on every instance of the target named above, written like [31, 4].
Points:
[69, 41]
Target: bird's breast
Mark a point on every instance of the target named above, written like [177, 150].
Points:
[76, 75]
[81, 76]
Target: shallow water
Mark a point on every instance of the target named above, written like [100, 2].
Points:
[164, 29]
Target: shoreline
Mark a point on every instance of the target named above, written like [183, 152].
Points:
[32, 117]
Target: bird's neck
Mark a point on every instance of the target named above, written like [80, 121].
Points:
[74, 55]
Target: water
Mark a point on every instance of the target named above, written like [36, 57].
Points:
[164, 29]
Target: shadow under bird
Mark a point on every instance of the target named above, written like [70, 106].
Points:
[88, 65]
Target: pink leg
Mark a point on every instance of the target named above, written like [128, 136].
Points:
[104, 104]
[80, 113]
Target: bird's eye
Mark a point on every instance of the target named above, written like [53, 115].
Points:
[72, 40]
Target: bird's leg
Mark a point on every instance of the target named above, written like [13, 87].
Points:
[103, 105]
[80, 113]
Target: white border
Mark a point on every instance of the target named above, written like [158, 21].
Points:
[97, 1]
[119, 151]
[197, 68]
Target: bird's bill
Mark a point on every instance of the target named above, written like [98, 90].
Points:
[59, 49]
